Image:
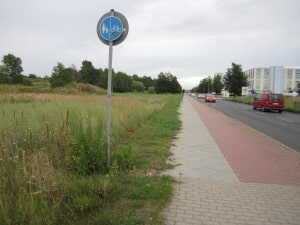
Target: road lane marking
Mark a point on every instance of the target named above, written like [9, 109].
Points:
[286, 120]
[259, 112]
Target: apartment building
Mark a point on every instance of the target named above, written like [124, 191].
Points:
[277, 79]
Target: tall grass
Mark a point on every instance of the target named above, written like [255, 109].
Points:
[43, 86]
[52, 158]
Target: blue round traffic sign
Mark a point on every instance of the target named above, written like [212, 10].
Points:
[111, 28]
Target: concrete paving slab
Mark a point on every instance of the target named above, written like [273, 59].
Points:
[203, 202]
[194, 151]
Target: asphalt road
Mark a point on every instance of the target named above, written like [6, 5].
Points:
[283, 127]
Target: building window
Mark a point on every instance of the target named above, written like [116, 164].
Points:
[290, 74]
[252, 85]
[258, 73]
[298, 74]
[266, 73]
[266, 85]
[257, 85]
[289, 85]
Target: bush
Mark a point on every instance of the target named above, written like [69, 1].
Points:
[87, 148]
[151, 90]
[56, 83]
[17, 79]
[137, 86]
[89, 88]
[122, 160]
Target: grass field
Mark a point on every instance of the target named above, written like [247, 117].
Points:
[53, 158]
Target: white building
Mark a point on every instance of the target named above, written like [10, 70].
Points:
[277, 79]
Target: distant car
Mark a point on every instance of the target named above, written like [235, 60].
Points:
[269, 101]
[210, 98]
[201, 96]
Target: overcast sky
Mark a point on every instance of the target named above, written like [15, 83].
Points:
[190, 39]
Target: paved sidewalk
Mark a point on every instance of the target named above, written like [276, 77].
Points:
[195, 151]
[210, 192]
[198, 201]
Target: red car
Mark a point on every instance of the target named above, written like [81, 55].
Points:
[269, 101]
[210, 98]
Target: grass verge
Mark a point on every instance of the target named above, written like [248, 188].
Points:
[52, 156]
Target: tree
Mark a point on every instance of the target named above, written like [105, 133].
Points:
[235, 79]
[121, 82]
[67, 75]
[167, 83]
[12, 65]
[205, 85]
[55, 80]
[217, 84]
[61, 76]
[174, 86]
[76, 75]
[89, 73]
[136, 77]
[161, 84]
[33, 76]
[103, 77]
[57, 69]
[10, 71]
[4, 79]
[148, 82]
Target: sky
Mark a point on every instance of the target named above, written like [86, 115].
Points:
[190, 39]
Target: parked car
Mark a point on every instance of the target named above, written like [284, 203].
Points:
[269, 101]
[210, 98]
[201, 96]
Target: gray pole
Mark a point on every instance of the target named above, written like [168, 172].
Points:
[108, 103]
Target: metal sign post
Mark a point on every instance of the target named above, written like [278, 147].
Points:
[108, 103]
[112, 29]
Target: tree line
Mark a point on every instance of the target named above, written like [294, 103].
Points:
[233, 81]
[11, 73]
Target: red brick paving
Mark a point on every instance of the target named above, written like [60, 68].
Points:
[253, 156]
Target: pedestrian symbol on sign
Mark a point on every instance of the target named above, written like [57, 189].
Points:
[104, 28]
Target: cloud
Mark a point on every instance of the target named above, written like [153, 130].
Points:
[191, 39]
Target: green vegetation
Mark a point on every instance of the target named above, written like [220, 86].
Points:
[209, 85]
[241, 99]
[233, 81]
[52, 157]
[43, 86]
[11, 69]
[289, 102]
